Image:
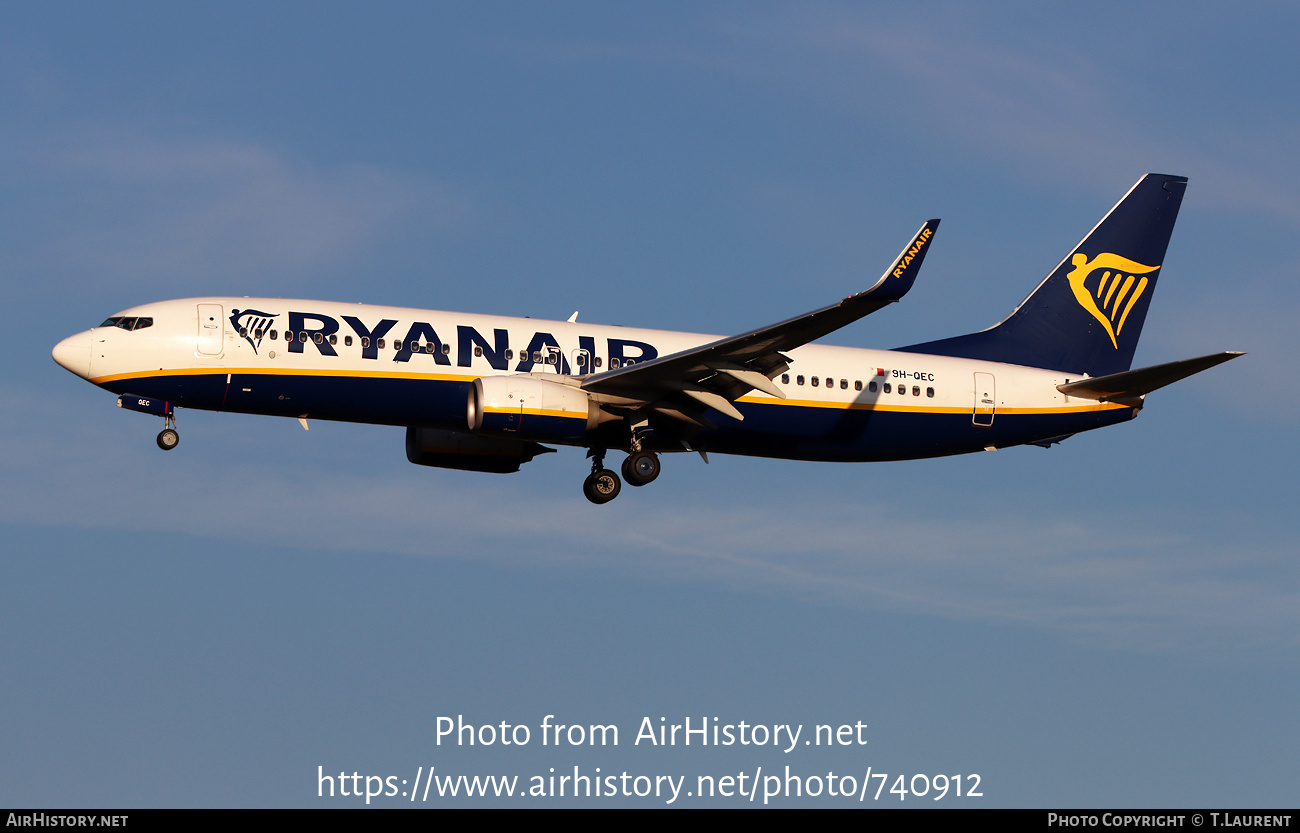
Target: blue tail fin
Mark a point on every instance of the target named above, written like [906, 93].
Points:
[1087, 315]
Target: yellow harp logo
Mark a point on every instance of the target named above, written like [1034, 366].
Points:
[1121, 284]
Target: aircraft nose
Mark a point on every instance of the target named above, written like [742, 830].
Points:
[73, 354]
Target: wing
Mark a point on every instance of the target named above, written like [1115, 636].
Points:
[714, 375]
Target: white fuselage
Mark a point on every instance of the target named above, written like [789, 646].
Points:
[400, 366]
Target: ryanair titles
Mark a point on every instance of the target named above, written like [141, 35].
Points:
[321, 331]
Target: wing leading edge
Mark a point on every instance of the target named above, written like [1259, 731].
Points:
[716, 374]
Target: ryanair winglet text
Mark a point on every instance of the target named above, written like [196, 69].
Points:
[912, 251]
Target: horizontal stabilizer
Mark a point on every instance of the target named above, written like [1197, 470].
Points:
[1132, 384]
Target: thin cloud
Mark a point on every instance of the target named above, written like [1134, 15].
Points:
[1045, 105]
[1131, 582]
[150, 210]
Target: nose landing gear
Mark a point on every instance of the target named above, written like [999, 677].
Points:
[169, 438]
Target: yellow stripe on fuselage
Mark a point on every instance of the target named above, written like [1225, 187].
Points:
[445, 377]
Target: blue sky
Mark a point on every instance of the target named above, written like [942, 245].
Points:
[1110, 622]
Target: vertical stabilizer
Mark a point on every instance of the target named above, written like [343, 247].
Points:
[1087, 315]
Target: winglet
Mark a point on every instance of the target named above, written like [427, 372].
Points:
[899, 277]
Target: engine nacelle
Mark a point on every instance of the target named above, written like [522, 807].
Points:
[468, 452]
[526, 407]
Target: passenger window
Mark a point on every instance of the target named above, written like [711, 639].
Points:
[844, 384]
[478, 352]
[273, 335]
[857, 384]
[334, 339]
[347, 341]
[929, 392]
[397, 345]
[302, 336]
[257, 333]
[510, 355]
[798, 380]
[243, 332]
[318, 338]
[365, 341]
[888, 388]
[613, 364]
[785, 378]
[379, 344]
[598, 361]
[916, 390]
[446, 349]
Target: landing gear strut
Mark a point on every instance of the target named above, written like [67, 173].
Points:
[602, 485]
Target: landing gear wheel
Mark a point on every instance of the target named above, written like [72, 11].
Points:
[168, 439]
[641, 468]
[601, 486]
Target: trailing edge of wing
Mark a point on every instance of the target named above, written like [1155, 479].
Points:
[759, 351]
[1129, 385]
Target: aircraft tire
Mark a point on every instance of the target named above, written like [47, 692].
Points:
[601, 486]
[641, 468]
[168, 439]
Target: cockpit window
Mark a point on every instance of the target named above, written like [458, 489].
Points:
[127, 322]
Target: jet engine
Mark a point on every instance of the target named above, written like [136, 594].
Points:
[528, 408]
[467, 452]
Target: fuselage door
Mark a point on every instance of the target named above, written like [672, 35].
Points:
[211, 328]
[985, 399]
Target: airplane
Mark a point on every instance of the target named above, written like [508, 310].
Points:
[483, 392]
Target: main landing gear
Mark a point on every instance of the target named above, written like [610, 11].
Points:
[602, 485]
[641, 467]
